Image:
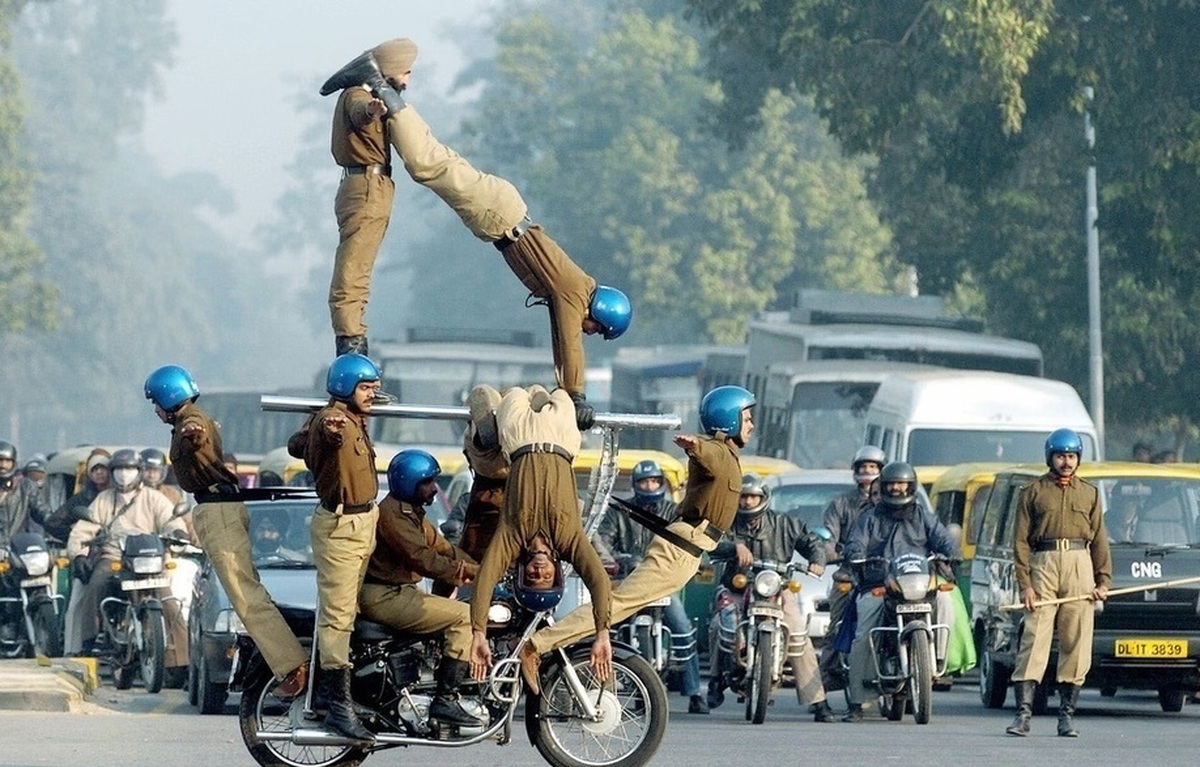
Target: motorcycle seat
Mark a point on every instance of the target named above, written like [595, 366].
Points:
[369, 631]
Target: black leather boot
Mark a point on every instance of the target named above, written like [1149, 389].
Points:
[1024, 692]
[351, 345]
[447, 707]
[1068, 696]
[342, 717]
[357, 72]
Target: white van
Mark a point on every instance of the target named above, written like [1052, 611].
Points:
[941, 418]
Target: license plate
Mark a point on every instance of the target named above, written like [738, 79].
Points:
[1152, 648]
[146, 583]
[768, 610]
[917, 608]
[664, 602]
[43, 580]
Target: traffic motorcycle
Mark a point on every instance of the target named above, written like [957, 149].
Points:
[908, 647]
[133, 631]
[647, 633]
[575, 721]
[751, 638]
[30, 608]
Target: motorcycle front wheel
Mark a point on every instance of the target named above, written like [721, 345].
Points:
[920, 660]
[633, 716]
[259, 711]
[761, 677]
[150, 654]
[47, 635]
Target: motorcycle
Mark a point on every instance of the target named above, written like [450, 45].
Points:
[647, 633]
[751, 638]
[573, 722]
[907, 648]
[131, 620]
[30, 608]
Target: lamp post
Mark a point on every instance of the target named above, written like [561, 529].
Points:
[1095, 345]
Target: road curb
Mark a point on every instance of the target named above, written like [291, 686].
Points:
[42, 684]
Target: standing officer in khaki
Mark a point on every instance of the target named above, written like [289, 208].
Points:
[538, 433]
[341, 458]
[409, 549]
[706, 512]
[363, 205]
[494, 211]
[1060, 549]
[222, 525]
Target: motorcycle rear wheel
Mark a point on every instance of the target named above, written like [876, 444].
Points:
[150, 654]
[920, 658]
[633, 709]
[259, 710]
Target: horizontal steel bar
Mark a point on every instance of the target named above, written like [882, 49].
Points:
[276, 403]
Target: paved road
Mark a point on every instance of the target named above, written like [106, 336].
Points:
[132, 729]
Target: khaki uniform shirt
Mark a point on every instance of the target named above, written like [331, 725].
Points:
[534, 415]
[358, 138]
[1046, 510]
[550, 275]
[408, 548]
[714, 483]
[343, 465]
[197, 458]
[149, 512]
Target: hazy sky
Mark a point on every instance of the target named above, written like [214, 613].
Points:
[209, 119]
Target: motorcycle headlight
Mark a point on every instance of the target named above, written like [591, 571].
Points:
[229, 622]
[499, 614]
[36, 563]
[913, 586]
[767, 583]
[148, 565]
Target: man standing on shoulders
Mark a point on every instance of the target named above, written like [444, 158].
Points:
[1060, 549]
[222, 524]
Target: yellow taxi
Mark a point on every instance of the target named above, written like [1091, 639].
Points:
[958, 496]
[674, 470]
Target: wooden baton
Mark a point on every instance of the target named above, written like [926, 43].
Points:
[1113, 593]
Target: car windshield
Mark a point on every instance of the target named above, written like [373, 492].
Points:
[279, 533]
[1151, 511]
[807, 501]
[946, 447]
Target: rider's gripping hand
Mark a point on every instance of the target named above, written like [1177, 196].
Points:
[1028, 597]
[481, 656]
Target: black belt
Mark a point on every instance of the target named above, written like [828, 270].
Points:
[1060, 544]
[225, 493]
[367, 170]
[512, 236]
[348, 508]
[711, 531]
[541, 447]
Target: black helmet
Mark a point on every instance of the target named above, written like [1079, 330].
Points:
[898, 471]
[8, 450]
[648, 469]
[118, 468]
[752, 484]
[153, 458]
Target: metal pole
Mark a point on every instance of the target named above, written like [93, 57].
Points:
[1095, 344]
[271, 402]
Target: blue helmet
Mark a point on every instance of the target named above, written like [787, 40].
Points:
[170, 386]
[1063, 441]
[645, 470]
[721, 409]
[347, 372]
[610, 307]
[537, 599]
[408, 469]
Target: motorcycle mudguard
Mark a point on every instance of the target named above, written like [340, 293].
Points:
[766, 627]
[913, 627]
[621, 651]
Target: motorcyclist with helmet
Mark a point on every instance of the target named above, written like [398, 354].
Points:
[706, 512]
[761, 533]
[127, 508]
[95, 479]
[21, 500]
[222, 523]
[1060, 549]
[537, 431]
[407, 549]
[839, 518]
[896, 525]
[154, 474]
[622, 543]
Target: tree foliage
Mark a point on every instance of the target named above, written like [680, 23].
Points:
[974, 113]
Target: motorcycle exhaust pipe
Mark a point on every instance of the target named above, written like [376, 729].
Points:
[307, 736]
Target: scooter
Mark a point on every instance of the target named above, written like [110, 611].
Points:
[30, 608]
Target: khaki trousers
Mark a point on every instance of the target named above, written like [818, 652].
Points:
[363, 206]
[663, 571]
[342, 546]
[407, 608]
[223, 530]
[1058, 574]
[800, 654]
